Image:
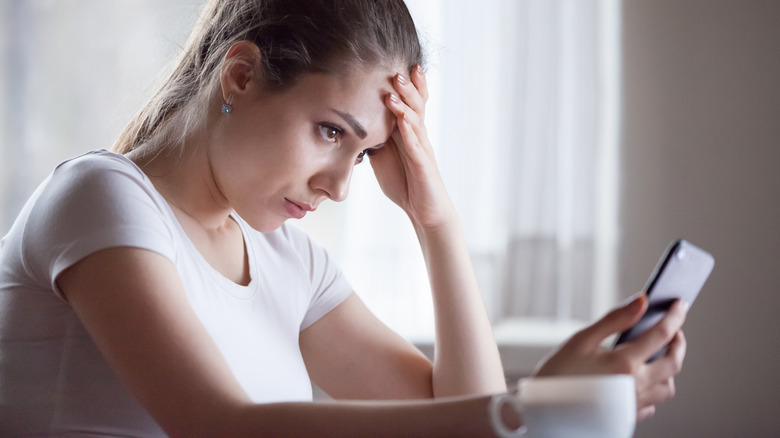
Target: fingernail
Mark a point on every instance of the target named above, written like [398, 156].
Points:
[401, 79]
[638, 302]
[419, 69]
[393, 97]
[634, 297]
[684, 305]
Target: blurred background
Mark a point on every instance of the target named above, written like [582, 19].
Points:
[577, 138]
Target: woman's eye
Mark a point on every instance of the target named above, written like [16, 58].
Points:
[363, 154]
[360, 156]
[330, 133]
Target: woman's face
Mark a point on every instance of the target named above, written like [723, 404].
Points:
[278, 156]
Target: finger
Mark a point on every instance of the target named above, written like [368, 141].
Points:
[409, 94]
[677, 350]
[661, 333]
[420, 81]
[402, 136]
[645, 413]
[616, 321]
[410, 145]
[400, 108]
[671, 364]
[411, 130]
[657, 393]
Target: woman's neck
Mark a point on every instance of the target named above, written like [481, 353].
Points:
[184, 178]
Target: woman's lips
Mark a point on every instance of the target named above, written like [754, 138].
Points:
[296, 210]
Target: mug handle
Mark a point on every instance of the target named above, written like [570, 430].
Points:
[497, 403]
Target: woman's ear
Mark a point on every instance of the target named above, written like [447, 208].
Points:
[241, 69]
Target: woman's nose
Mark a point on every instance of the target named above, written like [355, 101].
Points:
[334, 181]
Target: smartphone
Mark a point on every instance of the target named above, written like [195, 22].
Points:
[680, 274]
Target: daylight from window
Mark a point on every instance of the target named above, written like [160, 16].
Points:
[523, 114]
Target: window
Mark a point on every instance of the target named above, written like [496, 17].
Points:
[523, 115]
[524, 118]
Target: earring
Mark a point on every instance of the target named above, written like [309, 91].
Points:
[227, 107]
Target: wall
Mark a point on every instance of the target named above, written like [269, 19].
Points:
[701, 160]
[72, 74]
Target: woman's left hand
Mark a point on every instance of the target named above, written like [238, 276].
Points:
[583, 353]
[406, 168]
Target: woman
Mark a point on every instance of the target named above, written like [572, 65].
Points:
[159, 290]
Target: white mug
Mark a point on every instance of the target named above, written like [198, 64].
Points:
[599, 406]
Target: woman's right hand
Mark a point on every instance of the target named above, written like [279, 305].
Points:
[583, 353]
[406, 168]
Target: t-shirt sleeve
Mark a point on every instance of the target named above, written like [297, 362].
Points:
[91, 203]
[329, 286]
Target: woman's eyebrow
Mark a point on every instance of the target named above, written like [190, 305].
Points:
[356, 126]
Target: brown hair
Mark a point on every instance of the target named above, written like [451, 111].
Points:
[295, 37]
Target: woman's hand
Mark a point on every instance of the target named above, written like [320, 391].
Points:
[467, 360]
[583, 353]
[406, 168]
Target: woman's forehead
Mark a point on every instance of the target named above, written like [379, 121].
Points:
[350, 84]
[360, 95]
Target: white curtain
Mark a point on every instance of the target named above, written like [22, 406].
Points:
[524, 118]
[523, 115]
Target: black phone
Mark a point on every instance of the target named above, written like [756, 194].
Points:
[680, 274]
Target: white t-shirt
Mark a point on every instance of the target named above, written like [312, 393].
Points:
[53, 379]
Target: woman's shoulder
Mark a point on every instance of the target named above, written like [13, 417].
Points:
[98, 189]
[94, 201]
[99, 177]
[98, 161]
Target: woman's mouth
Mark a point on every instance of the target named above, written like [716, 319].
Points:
[297, 210]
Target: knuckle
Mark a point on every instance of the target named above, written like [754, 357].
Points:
[620, 364]
[677, 366]
[667, 330]
[671, 389]
[665, 391]
[579, 338]
[646, 412]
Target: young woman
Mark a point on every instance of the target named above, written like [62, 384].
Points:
[158, 289]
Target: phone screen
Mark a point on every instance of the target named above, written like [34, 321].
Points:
[680, 274]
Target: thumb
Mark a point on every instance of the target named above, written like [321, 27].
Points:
[616, 321]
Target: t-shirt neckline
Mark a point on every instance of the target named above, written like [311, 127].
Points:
[228, 285]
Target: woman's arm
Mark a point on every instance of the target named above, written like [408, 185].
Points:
[132, 303]
[467, 359]
[352, 355]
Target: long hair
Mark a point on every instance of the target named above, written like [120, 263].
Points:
[295, 37]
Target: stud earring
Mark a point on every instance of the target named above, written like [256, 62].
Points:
[227, 107]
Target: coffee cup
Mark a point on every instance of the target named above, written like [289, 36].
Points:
[599, 406]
